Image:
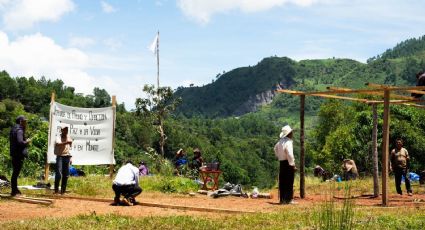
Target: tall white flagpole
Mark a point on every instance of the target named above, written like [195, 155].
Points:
[157, 59]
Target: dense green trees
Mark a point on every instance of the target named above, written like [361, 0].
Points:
[345, 131]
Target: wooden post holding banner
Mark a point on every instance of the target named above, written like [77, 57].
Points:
[385, 145]
[375, 151]
[302, 149]
[114, 106]
[46, 164]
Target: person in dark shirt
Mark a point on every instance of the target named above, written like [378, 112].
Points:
[18, 151]
[420, 81]
[197, 160]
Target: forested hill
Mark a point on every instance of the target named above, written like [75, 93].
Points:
[245, 89]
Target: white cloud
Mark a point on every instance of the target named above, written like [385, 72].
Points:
[37, 55]
[202, 10]
[3, 3]
[107, 8]
[23, 14]
[81, 42]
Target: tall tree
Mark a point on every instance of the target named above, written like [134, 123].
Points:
[160, 102]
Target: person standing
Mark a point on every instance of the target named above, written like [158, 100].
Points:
[18, 151]
[63, 159]
[126, 183]
[400, 165]
[285, 154]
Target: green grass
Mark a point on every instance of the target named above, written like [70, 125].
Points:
[101, 186]
[326, 215]
[288, 218]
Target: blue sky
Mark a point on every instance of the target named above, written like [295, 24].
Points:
[92, 43]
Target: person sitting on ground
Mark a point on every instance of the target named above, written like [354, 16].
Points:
[126, 183]
[349, 170]
[422, 177]
[143, 169]
[197, 160]
[420, 81]
[180, 161]
[321, 172]
[76, 172]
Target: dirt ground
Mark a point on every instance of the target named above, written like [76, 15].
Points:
[66, 207]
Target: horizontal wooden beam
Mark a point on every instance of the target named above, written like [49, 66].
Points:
[341, 97]
[395, 101]
[31, 200]
[297, 93]
[415, 90]
[293, 92]
[381, 93]
[415, 105]
[363, 90]
[158, 205]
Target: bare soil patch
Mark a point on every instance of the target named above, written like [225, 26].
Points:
[12, 210]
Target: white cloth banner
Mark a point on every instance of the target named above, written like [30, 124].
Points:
[92, 132]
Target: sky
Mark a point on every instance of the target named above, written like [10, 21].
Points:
[105, 44]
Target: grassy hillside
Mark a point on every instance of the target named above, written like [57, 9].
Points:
[396, 66]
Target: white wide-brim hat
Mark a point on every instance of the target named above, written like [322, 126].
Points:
[285, 131]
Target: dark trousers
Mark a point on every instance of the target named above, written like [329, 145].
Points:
[17, 166]
[286, 182]
[62, 172]
[126, 190]
[398, 173]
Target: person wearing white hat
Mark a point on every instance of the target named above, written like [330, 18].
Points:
[63, 146]
[284, 152]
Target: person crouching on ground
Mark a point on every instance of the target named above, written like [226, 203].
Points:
[285, 154]
[400, 165]
[126, 183]
[63, 159]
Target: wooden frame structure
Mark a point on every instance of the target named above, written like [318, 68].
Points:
[383, 91]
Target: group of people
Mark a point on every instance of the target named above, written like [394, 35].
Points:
[180, 161]
[399, 165]
[126, 182]
[19, 151]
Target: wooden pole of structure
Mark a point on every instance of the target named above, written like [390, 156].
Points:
[46, 164]
[114, 107]
[375, 151]
[302, 149]
[385, 146]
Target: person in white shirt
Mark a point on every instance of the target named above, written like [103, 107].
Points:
[284, 152]
[63, 158]
[126, 183]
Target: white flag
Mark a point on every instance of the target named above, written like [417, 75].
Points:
[153, 46]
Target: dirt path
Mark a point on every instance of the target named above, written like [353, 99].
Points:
[12, 210]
